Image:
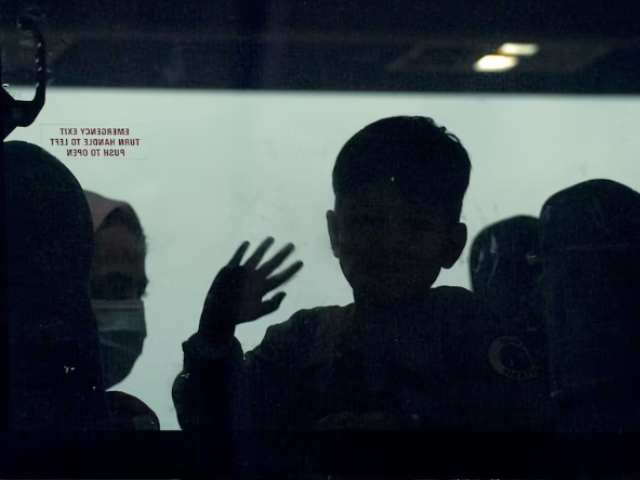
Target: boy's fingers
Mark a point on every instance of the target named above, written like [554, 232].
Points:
[269, 267]
[272, 304]
[256, 258]
[237, 257]
[281, 278]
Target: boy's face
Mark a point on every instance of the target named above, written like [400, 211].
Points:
[390, 249]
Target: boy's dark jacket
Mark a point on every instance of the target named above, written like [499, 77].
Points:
[452, 366]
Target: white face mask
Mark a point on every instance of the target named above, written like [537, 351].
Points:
[120, 316]
[122, 330]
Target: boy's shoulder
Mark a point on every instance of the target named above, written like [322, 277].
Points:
[458, 305]
[309, 320]
[481, 339]
[462, 309]
[458, 298]
[467, 314]
[302, 329]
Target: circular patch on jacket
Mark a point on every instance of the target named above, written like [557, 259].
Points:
[510, 358]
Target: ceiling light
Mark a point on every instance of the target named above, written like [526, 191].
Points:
[495, 63]
[519, 49]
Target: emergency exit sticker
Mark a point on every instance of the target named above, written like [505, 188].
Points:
[112, 142]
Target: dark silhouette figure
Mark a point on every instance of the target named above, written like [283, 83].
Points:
[403, 355]
[505, 271]
[118, 283]
[590, 240]
[56, 381]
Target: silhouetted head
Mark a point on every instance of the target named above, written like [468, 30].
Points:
[56, 379]
[590, 242]
[399, 185]
[49, 224]
[590, 246]
[504, 266]
[130, 413]
[118, 283]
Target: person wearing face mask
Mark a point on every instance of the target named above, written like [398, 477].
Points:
[118, 283]
[55, 382]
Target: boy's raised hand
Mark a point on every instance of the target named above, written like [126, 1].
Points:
[236, 295]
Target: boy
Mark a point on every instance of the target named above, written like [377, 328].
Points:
[403, 355]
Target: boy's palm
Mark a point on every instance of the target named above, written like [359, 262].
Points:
[237, 292]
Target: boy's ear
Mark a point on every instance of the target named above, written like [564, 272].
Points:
[334, 234]
[455, 245]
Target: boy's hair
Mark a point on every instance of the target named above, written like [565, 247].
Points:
[428, 163]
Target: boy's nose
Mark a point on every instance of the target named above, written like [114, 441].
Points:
[394, 235]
